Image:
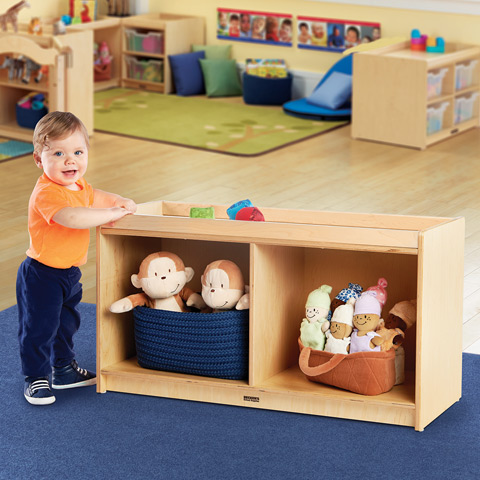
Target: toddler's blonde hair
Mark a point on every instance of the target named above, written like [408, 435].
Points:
[57, 125]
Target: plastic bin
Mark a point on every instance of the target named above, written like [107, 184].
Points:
[434, 82]
[151, 42]
[464, 107]
[145, 70]
[435, 116]
[464, 74]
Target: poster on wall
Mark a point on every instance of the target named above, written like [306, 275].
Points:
[334, 35]
[257, 27]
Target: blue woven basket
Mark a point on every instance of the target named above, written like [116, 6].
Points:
[208, 344]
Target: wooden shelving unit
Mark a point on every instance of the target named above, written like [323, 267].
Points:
[68, 85]
[284, 259]
[106, 29]
[390, 100]
[179, 33]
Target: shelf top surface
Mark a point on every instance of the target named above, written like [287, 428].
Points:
[282, 227]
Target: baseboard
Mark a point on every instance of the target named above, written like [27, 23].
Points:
[303, 81]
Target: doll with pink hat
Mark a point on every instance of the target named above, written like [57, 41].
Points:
[366, 317]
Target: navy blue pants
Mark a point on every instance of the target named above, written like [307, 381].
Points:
[47, 301]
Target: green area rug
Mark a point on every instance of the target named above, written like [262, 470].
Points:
[202, 123]
[10, 149]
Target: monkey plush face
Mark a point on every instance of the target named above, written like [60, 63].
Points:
[222, 285]
[162, 275]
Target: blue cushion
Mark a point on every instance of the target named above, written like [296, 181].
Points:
[187, 73]
[333, 93]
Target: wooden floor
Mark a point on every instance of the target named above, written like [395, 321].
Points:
[330, 172]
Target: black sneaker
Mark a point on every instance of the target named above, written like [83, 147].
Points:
[37, 391]
[72, 376]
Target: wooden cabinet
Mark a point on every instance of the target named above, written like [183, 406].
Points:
[415, 98]
[148, 40]
[283, 260]
[106, 29]
[68, 85]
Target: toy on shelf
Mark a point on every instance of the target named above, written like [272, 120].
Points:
[223, 287]
[30, 109]
[35, 26]
[352, 291]
[30, 67]
[244, 210]
[202, 212]
[162, 277]
[102, 60]
[366, 319]
[379, 291]
[14, 66]
[314, 326]
[424, 43]
[341, 327]
[11, 16]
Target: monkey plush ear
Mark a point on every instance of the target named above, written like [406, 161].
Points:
[135, 281]
[189, 273]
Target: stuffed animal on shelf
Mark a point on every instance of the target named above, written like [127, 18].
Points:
[162, 277]
[35, 26]
[403, 315]
[223, 287]
[314, 326]
[380, 292]
[352, 291]
[341, 326]
[11, 16]
[366, 318]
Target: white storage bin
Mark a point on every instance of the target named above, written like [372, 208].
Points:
[464, 74]
[435, 116]
[464, 107]
[434, 82]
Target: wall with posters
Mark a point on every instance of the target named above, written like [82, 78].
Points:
[394, 23]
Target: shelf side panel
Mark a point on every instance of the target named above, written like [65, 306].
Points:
[275, 305]
[387, 108]
[439, 320]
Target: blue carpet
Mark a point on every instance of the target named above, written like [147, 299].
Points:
[10, 149]
[85, 435]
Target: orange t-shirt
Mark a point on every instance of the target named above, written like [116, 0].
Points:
[50, 243]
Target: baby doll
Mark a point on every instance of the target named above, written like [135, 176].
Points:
[403, 315]
[380, 292]
[314, 326]
[366, 318]
[341, 326]
[352, 291]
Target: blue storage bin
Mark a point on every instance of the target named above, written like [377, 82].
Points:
[267, 91]
[207, 344]
[27, 117]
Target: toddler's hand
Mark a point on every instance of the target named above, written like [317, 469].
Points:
[117, 214]
[127, 204]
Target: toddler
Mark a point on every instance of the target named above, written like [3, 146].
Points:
[62, 209]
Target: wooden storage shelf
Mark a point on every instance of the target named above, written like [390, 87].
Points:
[390, 100]
[283, 260]
[179, 33]
[67, 76]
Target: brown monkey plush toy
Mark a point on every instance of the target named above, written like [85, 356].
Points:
[223, 287]
[162, 277]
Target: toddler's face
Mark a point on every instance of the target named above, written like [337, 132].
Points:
[317, 31]
[245, 23]
[351, 37]
[64, 160]
[258, 25]
[223, 19]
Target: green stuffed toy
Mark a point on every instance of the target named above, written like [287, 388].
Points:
[314, 326]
